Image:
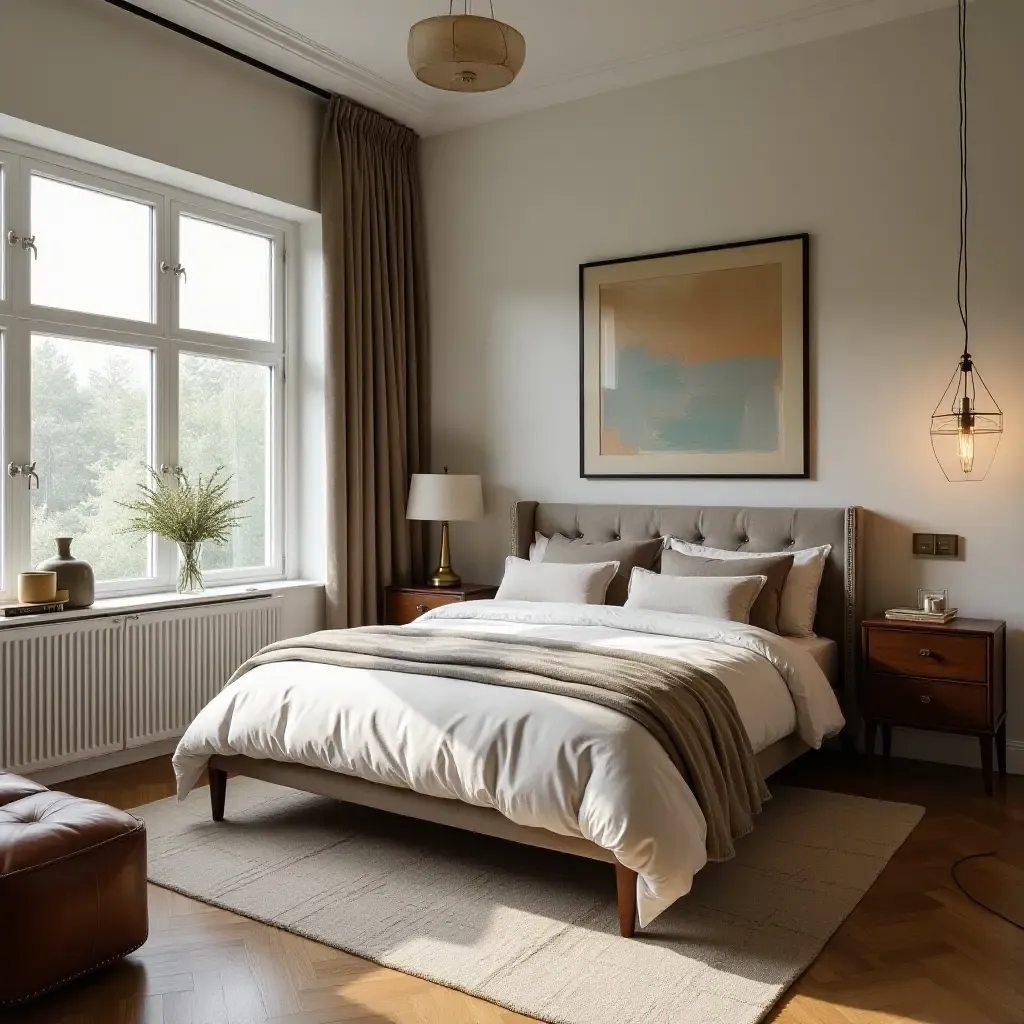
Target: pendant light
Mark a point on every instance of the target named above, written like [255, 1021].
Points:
[465, 52]
[967, 424]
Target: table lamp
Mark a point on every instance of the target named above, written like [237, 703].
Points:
[443, 498]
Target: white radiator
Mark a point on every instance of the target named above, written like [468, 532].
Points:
[80, 689]
[176, 661]
[61, 693]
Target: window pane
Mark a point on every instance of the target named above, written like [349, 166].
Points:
[90, 441]
[5, 583]
[228, 280]
[224, 410]
[3, 233]
[95, 251]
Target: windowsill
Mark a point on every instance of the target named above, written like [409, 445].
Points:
[109, 606]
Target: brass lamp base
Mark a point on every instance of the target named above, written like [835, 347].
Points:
[444, 577]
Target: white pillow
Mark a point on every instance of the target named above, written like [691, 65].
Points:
[720, 597]
[538, 547]
[555, 581]
[799, 602]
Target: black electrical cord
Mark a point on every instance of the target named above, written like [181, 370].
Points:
[961, 270]
[974, 899]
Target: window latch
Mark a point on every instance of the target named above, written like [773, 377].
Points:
[177, 270]
[25, 241]
[25, 469]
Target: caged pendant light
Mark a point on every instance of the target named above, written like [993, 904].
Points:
[967, 424]
[465, 52]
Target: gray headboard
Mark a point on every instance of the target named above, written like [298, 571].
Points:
[736, 529]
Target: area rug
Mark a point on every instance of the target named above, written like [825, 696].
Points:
[530, 930]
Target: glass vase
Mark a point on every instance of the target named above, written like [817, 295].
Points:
[190, 572]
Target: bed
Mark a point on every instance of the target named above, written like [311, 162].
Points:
[242, 731]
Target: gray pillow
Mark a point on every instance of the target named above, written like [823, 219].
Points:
[628, 553]
[765, 612]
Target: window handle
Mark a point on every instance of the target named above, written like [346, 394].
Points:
[176, 470]
[25, 241]
[25, 469]
[177, 270]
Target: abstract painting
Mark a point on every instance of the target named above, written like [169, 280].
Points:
[694, 363]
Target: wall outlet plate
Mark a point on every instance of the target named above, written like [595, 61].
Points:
[924, 543]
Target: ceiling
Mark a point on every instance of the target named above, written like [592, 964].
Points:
[574, 48]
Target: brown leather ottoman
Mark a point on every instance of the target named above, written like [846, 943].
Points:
[72, 887]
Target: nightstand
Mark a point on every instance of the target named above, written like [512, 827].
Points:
[403, 604]
[949, 678]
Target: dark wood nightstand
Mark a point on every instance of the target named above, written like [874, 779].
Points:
[403, 604]
[948, 678]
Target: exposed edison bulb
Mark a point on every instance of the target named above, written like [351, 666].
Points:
[965, 436]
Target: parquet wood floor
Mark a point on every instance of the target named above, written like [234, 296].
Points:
[915, 951]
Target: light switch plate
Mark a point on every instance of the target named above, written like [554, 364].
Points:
[924, 543]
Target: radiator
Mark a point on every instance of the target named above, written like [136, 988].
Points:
[177, 661]
[75, 690]
[61, 693]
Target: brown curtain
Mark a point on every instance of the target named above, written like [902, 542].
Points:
[376, 338]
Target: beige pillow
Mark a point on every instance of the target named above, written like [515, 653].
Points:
[628, 553]
[765, 612]
[720, 597]
[536, 581]
[799, 604]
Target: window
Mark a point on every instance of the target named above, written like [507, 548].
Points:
[91, 439]
[94, 251]
[227, 284]
[224, 408]
[139, 327]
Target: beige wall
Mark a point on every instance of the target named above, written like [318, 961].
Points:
[96, 72]
[852, 139]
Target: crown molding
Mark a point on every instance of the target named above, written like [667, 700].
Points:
[824, 19]
[234, 23]
[266, 39]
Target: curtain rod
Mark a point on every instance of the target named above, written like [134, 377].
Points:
[220, 47]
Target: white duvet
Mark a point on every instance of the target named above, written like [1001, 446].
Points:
[541, 760]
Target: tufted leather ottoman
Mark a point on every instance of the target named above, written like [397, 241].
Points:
[72, 887]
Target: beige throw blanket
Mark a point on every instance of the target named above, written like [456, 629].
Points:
[689, 711]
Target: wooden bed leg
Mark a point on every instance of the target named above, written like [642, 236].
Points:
[625, 887]
[218, 792]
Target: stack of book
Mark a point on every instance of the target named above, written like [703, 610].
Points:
[36, 607]
[920, 615]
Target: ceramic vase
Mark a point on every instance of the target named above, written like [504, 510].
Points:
[73, 575]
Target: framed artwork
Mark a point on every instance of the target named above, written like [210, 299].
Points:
[694, 363]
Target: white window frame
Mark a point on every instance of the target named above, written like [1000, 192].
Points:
[19, 320]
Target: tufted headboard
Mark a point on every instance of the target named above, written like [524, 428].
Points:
[736, 529]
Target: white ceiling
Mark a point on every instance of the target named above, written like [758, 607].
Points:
[574, 48]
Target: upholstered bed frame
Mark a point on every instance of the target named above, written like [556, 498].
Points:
[744, 529]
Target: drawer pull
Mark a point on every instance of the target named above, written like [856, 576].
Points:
[925, 699]
[925, 652]
[421, 608]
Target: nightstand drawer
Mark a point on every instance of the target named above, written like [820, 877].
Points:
[932, 655]
[403, 608]
[927, 702]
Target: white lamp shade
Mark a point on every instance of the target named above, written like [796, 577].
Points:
[443, 497]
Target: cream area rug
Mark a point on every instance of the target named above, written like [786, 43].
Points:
[530, 930]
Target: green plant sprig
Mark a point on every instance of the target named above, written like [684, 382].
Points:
[185, 512]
